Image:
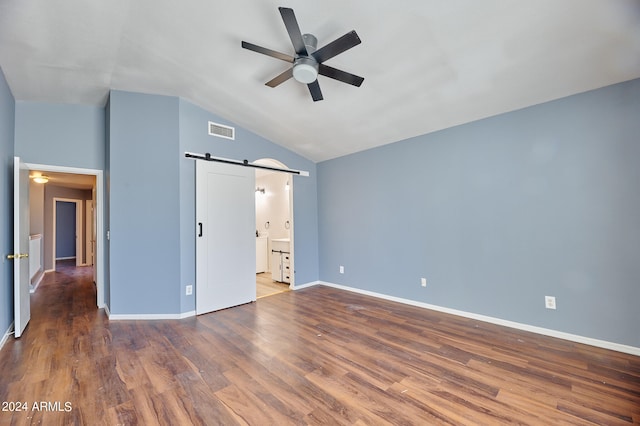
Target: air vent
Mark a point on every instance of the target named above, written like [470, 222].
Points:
[221, 130]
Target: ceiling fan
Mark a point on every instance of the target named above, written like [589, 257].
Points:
[309, 62]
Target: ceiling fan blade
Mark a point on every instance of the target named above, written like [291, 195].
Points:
[314, 89]
[293, 29]
[276, 81]
[340, 75]
[268, 52]
[337, 46]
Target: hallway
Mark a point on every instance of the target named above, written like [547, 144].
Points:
[58, 348]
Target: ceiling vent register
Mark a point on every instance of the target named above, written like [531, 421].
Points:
[222, 131]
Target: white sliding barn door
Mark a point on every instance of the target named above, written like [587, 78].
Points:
[225, 236]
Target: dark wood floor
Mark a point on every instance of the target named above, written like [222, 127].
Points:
[313, 356]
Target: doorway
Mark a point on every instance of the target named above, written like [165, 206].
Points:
[67, 184]
[225, 208]
[274, 229]
[67, 231]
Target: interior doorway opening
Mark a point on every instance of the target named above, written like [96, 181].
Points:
[84, 189]
[274, 229]
[67, 231]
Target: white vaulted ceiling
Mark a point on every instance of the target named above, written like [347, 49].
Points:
[428, 65]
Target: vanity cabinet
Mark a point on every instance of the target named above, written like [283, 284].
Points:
[281, 260]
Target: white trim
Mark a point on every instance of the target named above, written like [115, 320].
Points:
[8, 333]
[34, 287]
[100, 231]
[311, 284]
[511, 324]
[292, 248]
[106, 310]
[49, 270]
[88, 233]
[65, 258]
[150, 317]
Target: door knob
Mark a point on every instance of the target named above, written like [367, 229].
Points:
[17, 256]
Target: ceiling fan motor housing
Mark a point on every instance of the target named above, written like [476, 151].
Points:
[305, 68]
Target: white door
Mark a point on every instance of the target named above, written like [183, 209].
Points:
[89, 234]
[22, 307]
[225, 239]
[94, 234]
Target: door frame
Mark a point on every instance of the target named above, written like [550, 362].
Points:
[99, 208]
[89, 254]
[78, 229]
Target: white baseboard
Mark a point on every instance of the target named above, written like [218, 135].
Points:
[525, 327]
[106, 310]
[38, 281]
[150, 317]
[311, 284]
[65, 258]
[49, 270]
[8, 333]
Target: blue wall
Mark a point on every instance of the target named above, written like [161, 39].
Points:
[144, 210]
[498, 213]
[60, 134]
[249, 146]
[152, 199]
[7, 120]
[65, 229]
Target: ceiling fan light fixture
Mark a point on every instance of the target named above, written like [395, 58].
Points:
[305, 70]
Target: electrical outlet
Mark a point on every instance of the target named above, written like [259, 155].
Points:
[550, 302]
[423, 282]
[189, 290]
[341, 269]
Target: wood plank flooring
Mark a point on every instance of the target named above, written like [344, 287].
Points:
[313, 356]
[265, 286]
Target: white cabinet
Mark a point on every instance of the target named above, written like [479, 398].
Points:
[262, 257]
[281, 260]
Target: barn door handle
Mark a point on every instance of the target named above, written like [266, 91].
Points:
[200, 229]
